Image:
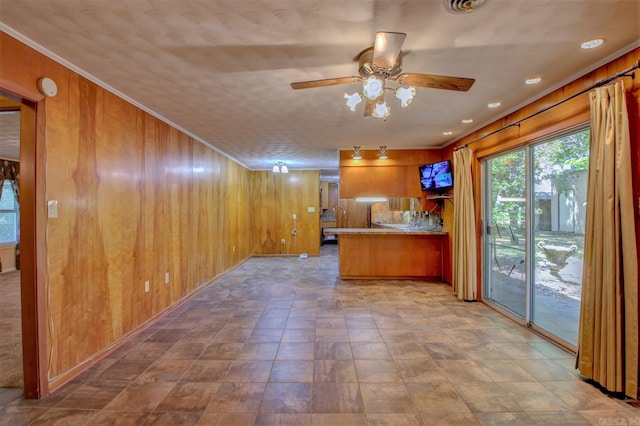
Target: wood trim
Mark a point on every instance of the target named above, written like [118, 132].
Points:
[32, 242]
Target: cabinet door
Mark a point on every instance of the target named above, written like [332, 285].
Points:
[324, 195]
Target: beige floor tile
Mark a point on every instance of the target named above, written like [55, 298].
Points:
[237, 398]
[292, 372]
[394, 419]
[370, 351]
[334, 371]
[336, 398]
[533, 396]
[186, 396]
[283, 419]
[296, 351]
[486, 397]
[377, 371]
[438, 418]
[505, 371]
[249, 371]
[228, 419]
[280, 341]
[462, 371]
[387, 398]
[421, 371]
[286, 398]
[439, 397]
[258, 351]
[506, 419]
[407, 350]
[338, 419]
[140, 397]
[333, 350]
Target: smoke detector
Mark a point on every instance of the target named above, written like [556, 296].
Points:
[463, 6]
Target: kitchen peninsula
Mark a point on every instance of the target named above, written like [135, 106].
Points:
[390, 253]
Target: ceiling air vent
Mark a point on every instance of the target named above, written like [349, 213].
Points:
[463, 6]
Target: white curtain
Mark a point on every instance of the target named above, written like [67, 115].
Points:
[465, 278]
[608, 334]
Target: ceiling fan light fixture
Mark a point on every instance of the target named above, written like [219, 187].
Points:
[353, 100]
[372, 87]
[406, 95]
[381, 110]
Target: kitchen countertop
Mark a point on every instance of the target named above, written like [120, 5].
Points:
[406, 230]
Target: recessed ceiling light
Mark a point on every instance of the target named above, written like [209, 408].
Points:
[447, 133]
[494, 104]
[467, 120]
[533, 80]
[590, 44]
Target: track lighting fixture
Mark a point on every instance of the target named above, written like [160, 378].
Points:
[356, 153]
[383, 152]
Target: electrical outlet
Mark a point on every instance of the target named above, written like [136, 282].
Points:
[283, 242]
[146, 286]
[166, 278]
[294, 216]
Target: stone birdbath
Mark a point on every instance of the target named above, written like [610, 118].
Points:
[556, 256]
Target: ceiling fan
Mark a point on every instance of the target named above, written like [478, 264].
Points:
[381, 63]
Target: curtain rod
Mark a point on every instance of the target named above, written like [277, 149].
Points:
[624, 73]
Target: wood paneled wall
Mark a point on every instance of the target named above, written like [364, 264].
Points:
[136, 199]
[275, 198]
[397, 176]
[564, 116]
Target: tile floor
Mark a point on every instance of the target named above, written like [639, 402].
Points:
[284, 341]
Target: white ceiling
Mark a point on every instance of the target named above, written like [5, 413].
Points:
[220, 70]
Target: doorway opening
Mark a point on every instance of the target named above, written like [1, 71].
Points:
[11, 366]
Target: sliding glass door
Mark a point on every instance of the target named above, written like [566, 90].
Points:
[506, 242]
[534, 233]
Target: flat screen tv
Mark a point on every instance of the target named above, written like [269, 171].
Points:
[436, 176]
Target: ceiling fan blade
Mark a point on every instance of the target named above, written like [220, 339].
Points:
[436, 81]
[369, 107]
[387, 49]
[326, 82]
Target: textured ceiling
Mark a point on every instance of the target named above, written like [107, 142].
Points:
[221, 69]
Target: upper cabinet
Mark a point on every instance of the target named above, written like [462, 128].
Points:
[396, 176]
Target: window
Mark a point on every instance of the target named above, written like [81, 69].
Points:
[9, 215]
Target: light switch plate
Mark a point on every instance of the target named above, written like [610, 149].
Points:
[311, 209]
[52, 209]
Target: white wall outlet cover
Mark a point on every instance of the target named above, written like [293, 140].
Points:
[47, 87]
[311, 209]
[294, 215]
